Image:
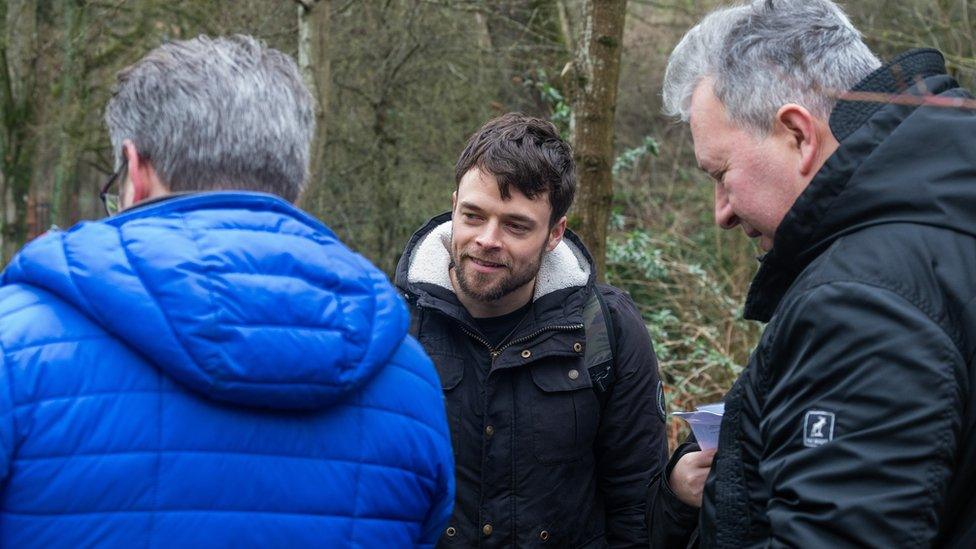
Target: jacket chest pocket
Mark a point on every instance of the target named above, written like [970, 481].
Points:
[565, 412]
[450, 369]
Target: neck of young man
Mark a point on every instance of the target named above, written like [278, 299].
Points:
[502, 306]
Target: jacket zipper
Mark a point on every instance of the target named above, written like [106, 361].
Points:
[494, 352]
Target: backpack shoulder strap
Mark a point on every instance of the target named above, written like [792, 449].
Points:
[598, 356]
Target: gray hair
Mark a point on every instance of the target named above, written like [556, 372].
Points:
[216, 114]
[766, 53]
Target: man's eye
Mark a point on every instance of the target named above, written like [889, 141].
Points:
[470, 217]
[518, 228]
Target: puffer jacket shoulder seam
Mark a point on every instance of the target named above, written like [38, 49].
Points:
[71, 276]
[162, 311]
[5, 364]
[268, 326]
[197, 451]
[354, 516]
[258, 230]
[210, 295]
[26, 288]
[93, 394]
[157, 466]
[58, 341]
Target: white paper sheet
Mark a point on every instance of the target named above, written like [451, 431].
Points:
[705, 422]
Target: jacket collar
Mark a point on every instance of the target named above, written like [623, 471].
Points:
[818, 218]
[565, 275]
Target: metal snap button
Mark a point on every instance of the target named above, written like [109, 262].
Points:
[573, 374]
[544, 535]
[486, 529]
[526, 353]
[577, 346]
[489, 430]
[451, 531]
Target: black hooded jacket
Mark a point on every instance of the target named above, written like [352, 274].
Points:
[854, 423]
[539, 460]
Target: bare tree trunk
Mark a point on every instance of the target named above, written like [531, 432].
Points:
[565, 24]
[18, 55]
[74, 92]
[594, 98]
[313, 60]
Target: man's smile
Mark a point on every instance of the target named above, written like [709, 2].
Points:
[484, 265]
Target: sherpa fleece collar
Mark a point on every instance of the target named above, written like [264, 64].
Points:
[566, 266]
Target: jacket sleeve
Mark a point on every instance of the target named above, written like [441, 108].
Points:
[443, 505]
[670, 521]
[7, 431]
[631, 444]
[443, 492]
[861, 422]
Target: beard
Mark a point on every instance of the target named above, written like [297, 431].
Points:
[485, 287]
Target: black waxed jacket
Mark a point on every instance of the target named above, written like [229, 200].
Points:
[854, 423]
[538, 462]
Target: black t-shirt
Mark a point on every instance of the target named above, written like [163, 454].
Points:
[496, 329]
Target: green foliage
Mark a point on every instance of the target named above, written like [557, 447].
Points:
[687, 277]
[559, 108]
[630, 158]
[412, 79]
[694, 320]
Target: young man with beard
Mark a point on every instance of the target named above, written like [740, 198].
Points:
[549, 449]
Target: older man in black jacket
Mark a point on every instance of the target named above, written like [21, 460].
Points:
[854, 423]
[549, 449]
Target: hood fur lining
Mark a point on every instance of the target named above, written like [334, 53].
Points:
[563, 267]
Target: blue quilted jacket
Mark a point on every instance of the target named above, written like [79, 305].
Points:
[214, 370]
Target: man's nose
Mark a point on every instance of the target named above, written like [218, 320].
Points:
[488, 237]
[724, 216]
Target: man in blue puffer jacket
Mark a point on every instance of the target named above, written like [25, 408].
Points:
[213, 369]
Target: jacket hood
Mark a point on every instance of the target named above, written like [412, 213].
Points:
[897, 163]
[239, 296]
[423, 270]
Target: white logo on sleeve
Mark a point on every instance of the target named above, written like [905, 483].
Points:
[818, 428]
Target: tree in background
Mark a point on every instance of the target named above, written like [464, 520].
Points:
[314, 35]
[18, 57]
[401, 84]
[593, 80]
[948, 25]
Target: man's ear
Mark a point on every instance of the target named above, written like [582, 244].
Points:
[453, 201]
[556, 234]
[801, 131]
[138, 172]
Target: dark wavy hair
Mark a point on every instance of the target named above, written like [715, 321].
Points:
[526, 153]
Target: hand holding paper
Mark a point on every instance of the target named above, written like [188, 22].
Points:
[705, 422]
